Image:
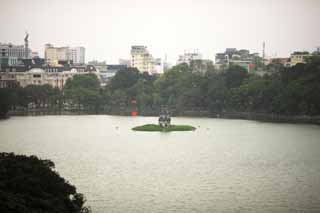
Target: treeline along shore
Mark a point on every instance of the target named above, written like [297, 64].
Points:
[283, 94]
[265, 117]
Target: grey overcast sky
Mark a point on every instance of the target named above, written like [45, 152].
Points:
[108, 28]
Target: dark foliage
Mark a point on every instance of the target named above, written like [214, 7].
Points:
[28, 184]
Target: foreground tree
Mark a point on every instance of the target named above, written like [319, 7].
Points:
[28, 184]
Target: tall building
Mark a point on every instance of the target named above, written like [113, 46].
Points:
[53, 54]
[142, 59]
[77, 55]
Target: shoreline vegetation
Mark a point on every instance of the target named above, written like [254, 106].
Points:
[282, 94]
[157, 128]
[262, 117]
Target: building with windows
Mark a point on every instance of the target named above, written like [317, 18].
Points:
[282, 61]
[107, 71]
[55, 54]
[242, 58]
[187, 57]
[201, 66]
[10, 53]
[37, 73]
[299, 57]
[142, 59]
[77, 55]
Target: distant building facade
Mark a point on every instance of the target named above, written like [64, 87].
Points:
[10, 53]
[201, 66]
[77, 55]
[283, 61]
[106, 71]
[187, 57]
[299, 57]
[241, 57]
[55, 54]
[36, 72]
[143, 60]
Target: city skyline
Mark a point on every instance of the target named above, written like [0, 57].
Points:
[108, 29]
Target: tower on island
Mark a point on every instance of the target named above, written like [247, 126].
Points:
[164, 117]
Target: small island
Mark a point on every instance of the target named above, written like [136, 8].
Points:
[158, 128]
[164, 124]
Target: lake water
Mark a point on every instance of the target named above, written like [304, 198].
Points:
[223, 166]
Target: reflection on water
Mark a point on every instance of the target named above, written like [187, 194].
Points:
[223, 166]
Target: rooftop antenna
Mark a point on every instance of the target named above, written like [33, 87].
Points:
[264, 50]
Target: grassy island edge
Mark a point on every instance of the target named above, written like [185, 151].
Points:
[157, 128]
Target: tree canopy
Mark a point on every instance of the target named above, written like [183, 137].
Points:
[28, 184]
[284, 90]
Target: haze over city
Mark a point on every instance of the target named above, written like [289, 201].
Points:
[107, 29]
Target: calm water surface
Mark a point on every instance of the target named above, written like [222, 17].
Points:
[223, 166]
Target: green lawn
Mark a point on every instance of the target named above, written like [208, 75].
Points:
[157, 128]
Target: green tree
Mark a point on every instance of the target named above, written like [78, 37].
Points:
[84, 92]
[28, 184]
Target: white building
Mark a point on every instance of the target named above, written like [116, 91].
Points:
[53, 76]
[77, 55]
[55, 54]
[9, 53]
[142, 59]
[187, 57]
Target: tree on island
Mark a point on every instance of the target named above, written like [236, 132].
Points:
[28, 184]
